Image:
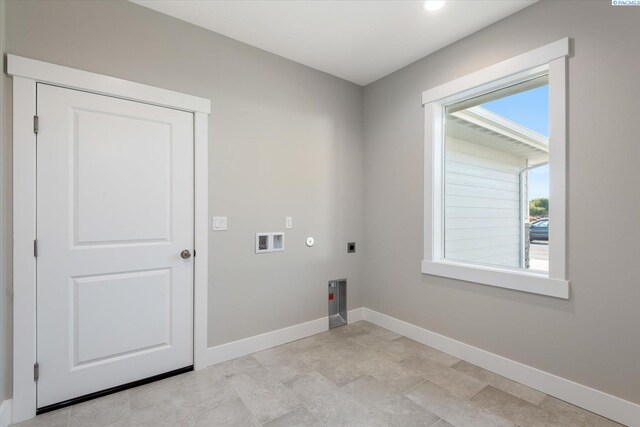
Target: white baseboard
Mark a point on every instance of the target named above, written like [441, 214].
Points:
[5, 413]
[355, 315]
[601, 403]
[243, 347]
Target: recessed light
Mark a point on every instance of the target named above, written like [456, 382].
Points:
[431, 5]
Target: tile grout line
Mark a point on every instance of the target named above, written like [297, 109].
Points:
[344, 385]
[479, 391]
[412, 387]
[280, 416]
[282, 383]
[129, 404]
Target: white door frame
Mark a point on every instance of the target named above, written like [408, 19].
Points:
[26, 74]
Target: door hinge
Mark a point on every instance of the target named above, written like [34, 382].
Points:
[36, 124]
[35, 248]
[36, 371]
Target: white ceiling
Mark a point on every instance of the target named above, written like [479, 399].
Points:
[360, 41]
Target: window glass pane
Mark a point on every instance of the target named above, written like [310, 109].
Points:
[496, 178]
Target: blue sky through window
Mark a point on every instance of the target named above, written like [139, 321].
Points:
[529, 109]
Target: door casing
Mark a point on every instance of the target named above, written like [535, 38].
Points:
[26, 74]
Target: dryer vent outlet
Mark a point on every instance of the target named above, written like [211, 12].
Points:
[337, 303]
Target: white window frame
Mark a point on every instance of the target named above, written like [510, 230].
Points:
[550, 59]
[26, 74]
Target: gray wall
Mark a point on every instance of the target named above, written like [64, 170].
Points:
[593, 338]
[304, 127]
[285, 140]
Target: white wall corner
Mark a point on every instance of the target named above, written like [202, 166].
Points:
[612, 407]
[5, 413]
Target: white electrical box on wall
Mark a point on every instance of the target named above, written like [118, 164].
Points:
[269, 242]
[277, 240]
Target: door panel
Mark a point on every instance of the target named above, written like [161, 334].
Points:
[115, 209]
[110, 207]
[123, 294]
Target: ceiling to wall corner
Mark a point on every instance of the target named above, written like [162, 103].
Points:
[359, 41]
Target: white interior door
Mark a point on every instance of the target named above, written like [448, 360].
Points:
[115, 207]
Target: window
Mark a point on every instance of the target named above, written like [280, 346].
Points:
[494, 144]
[495, 174]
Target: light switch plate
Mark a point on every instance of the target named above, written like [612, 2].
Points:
[288, 222]
[219, 223]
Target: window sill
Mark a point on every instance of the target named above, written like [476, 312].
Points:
[517, 280]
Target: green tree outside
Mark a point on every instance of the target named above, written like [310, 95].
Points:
[539, 207]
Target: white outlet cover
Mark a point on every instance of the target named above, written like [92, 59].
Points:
[310, 241]
[277, 242]
[219, 223]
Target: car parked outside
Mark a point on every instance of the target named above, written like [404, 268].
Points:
[539, 230]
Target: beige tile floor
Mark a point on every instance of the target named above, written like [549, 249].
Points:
[356, 375]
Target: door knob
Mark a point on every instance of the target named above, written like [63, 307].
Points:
[186, 254]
